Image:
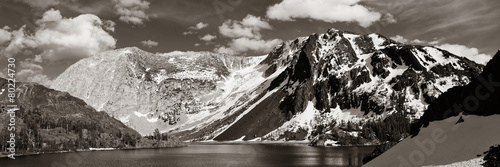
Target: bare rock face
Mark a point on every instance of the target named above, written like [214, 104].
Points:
[148, 91]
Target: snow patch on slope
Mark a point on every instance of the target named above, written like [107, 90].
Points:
[399, 70]
[445, 142]
[468, 163]
[377, 41]
[304, 120]
[445, 83]
[336, 114]
[145, 116]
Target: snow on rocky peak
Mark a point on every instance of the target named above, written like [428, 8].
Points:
[372, 74]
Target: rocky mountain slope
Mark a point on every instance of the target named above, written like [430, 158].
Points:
[458, 127]
[340, 75]
[148, 91]
[327, 86]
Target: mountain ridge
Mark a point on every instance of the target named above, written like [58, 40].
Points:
[323, 80]
[49, 120]
[132, 79]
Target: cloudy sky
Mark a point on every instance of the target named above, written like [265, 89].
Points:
[47, 36]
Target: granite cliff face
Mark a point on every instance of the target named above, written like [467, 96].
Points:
[303, 89]
[148, 91]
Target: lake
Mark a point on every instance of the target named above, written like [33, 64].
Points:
[204, 155]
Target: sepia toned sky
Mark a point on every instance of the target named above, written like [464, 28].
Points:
[47, 36]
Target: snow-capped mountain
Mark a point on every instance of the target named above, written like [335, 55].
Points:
[148, 91]
[457, 129]
[325, 79]
[303, 89]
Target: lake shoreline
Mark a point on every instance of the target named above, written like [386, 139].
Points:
[2, 156]
[186, 144]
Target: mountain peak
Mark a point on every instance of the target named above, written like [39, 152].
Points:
[121, 52]
[142, 89]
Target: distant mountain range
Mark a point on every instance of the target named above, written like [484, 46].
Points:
[333, 88]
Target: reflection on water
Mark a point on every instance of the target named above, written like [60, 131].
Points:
[202, 155]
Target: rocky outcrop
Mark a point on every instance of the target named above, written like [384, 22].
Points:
[479, 97]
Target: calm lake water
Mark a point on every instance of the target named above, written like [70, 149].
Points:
[204, 155]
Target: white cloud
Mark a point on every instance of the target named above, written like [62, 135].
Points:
[199, 26]
[208, 38]
[5, 35]
[38, 59]
[246, 37]
[32, 72]
[464, 51]
[243, 45]
[149, 43]
[29, 75]
[255, 22]
[109, 25]
[194, 29]
[401, 39]
[20, 40]
[50, 16]
[176, 52]
[325, 10]
[78, 37]
[62, 38]
[129, 11]
[197, 44]
[389, 18]
[435, 42]
[132, 11]
[188, 32]
[29, 64]
[419, 42]
[249, 27]
[459, 50]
